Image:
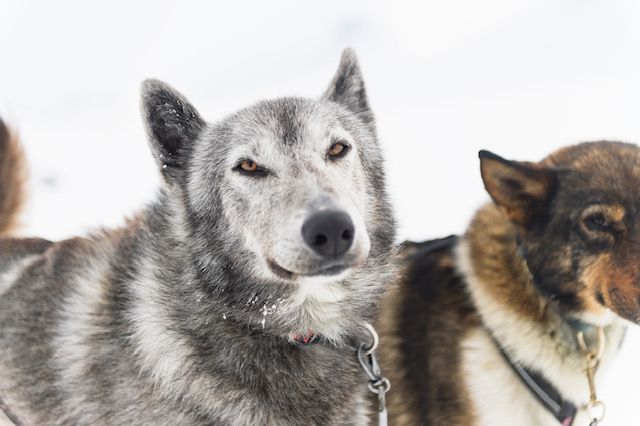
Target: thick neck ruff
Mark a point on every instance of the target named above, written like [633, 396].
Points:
[536, 340]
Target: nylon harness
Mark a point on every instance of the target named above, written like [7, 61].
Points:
[564, 411]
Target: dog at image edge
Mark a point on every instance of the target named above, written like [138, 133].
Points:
[237, 297]
[539, 274]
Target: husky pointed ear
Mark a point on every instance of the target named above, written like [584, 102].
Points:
[347, 87]
[520, 189]
[172, 123]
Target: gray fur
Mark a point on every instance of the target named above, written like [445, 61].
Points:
[188, 314]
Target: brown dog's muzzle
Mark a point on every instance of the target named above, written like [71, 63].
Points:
[614, 280]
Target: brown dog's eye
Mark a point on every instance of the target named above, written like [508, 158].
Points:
[596, 222]
[338, 149]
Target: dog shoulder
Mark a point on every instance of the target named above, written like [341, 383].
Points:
[430, 265]
[15, 255]
[427, 315]
[433, 279]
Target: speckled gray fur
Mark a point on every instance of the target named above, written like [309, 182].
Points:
[187, 315]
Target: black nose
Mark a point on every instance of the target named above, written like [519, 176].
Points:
[329, 233]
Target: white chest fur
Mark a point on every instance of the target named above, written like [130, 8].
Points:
[498, 395]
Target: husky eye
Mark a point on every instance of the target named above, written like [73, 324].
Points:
[338, 149]
[597, 222]
[250, 167]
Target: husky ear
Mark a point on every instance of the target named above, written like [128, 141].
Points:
[520, 189]
[347, 87]
[171, 123]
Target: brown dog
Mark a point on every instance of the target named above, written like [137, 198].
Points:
[498, 326]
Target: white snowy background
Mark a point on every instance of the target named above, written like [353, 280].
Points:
[445, 79]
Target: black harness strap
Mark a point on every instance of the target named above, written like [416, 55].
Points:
[544, 391]
[549, 397]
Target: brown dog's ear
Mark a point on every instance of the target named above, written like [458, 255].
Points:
[520, 189]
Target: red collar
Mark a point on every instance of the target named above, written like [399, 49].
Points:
[306, 338]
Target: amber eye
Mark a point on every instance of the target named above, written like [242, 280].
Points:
[248, 166]
[338, 149]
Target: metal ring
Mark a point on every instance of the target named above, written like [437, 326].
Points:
[601, 343]
[382, 385]
[592, 404]
[374, 335]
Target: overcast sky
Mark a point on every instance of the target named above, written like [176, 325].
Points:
[445, 79]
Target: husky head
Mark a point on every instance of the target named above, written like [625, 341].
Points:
[281, 206]
[577, 218]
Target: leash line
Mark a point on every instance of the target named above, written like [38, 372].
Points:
[378, 384]
[592, 358]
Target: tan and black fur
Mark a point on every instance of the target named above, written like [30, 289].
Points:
[556, 252]
[13, 176]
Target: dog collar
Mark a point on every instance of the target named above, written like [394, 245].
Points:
[378, 384]
[545, 392]
[305, 338]
[579, 326]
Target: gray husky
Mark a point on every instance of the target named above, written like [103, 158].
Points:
[238, 297]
